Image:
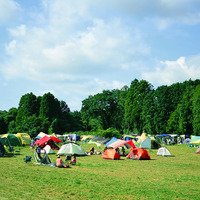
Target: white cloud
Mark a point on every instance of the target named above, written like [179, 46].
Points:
[169, 72]
[9, 11]
[18, 31]
[77, 48]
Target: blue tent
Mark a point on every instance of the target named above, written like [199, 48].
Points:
[75, 137]
[114, 139]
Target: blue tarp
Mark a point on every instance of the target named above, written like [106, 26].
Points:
[163, 135]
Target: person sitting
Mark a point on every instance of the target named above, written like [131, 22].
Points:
[59, 162]
[123, 151]
[73, 161]
[38, 150]
[91, 151]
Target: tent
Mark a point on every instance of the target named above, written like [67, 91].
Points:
[198, 150]
[146, 142]
[111, 154]
[186, 141]
[47, 149]
[195, 140]
[2, 149]
[11, 140]
[138, 154]
[163, 151]
[98, 141]
[41, 135]
[114, 139]
[26, 138]
[129, 137]
[18, 135]
[117, 143]
[48, 140]
[71, 149]
[44, 161]
[86, 137]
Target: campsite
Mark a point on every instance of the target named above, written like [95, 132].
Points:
[162, 177]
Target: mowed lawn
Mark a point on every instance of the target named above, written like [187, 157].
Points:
[176, 177]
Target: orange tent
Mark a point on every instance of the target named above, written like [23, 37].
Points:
[111, 154]
[138, 154]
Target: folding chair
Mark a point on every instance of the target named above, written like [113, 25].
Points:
[27, 159]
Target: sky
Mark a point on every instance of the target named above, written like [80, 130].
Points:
[78, 48]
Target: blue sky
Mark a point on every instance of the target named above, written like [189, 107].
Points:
[78, 48]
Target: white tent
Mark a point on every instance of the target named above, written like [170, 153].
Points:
[71, 148]
[163, 151]
[48, 150]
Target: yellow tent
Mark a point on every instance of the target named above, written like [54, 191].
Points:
[26, 138]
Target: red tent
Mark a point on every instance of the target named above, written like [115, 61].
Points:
[111, 154]
[47, 139]
[138, 154]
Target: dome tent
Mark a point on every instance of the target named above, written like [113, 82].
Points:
[163, 151]
[138, 154]
[111, 154]
[71, 149]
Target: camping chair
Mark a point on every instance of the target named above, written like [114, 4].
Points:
[11, 149]
[68, 158]
[27, 159]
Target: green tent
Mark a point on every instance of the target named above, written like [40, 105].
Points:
[11, 140]
[147, 142]
[44, 161]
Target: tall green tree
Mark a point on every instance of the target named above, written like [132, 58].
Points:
[105, 108]
[148, 113]
[134, 103]
[49, 107]
[196, 111]
[28, 106]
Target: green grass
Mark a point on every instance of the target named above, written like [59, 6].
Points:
[176, 177]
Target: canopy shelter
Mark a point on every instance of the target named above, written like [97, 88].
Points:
[71, 149]
[48, 140]
[163, 138]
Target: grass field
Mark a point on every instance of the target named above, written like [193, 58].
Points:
[176, 177]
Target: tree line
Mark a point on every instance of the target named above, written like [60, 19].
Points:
[173, 109]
